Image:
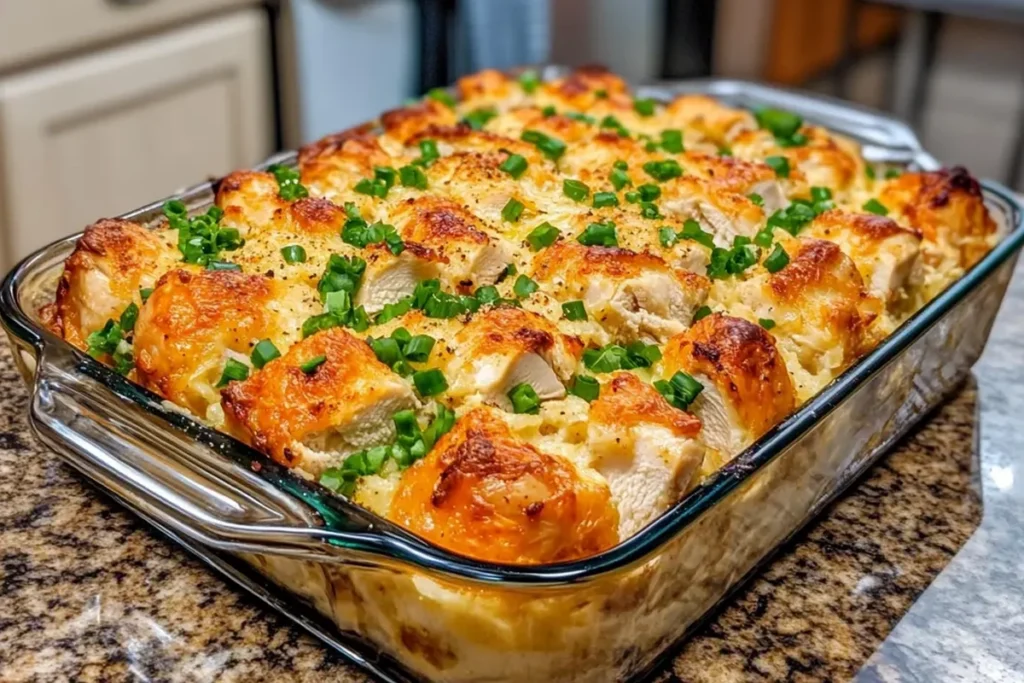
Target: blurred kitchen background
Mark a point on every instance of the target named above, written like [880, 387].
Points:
[105, 104]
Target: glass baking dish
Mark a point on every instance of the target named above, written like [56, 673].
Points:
[407, 610]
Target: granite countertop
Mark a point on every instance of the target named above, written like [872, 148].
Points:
[914, 575]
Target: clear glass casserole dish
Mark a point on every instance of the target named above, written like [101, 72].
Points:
[406, 609]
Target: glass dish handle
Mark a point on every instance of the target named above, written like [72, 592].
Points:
[182, 485]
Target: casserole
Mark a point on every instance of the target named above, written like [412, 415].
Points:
[606, 617]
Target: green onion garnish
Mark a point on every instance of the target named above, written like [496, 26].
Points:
[586, 387]
[756, 198]
[263, 353]
[429, 382]
[575, 190]
[544, 235]
[524, 287]
[513, 210]
[701, 313]
[663, 170]
[529, 81]
[777, 260]
[234, 371]
[294, 253]
[644, 106]
[574, 310]
[604, 199]
[552, 148]
[524, 399]
[876, 207]
[443, 96]
[672, 141]
[766, 323]
[599, 235]
[619, 179]
[515, 165]
[412, 176]
[680, 391]
[779, 164]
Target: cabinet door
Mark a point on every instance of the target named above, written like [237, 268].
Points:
[103, 134]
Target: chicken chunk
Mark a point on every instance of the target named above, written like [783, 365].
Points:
[470, 257]
[708, 118]
[312, 419]
[947, 207]
[634, 296]
[503, 347]
[646, 449]
[111, 262]
[389, 278]
[725, 215]
[745, 178]
[404, 124]
[747, 389]
[483, 493]
[195, 322]
[824, 160]
[885, 253]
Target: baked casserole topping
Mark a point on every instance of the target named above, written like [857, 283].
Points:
[523, 320]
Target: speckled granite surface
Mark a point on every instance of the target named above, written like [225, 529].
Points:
[909, 577]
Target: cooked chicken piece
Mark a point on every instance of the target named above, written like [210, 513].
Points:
[947, 207]
[747, 389]
[312, 419]
[709, 119]
[332, 167]
[633, 296]
[389, 278]
[194, 322]
[725, 215]
[583, 89]
[249, 199]
[885, 253]
[745, 177]
[646, 449]
[825, 160]
[112, 260]
[821, 310]
[501, 348]
[483, 493]
[471, 257]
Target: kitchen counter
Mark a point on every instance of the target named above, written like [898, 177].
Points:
[912, 576]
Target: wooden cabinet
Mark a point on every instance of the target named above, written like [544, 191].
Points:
[101, 134]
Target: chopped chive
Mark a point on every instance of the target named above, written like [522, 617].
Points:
[663, 170]
[619, 179]
[756, 198]
[529, 81]
[644, 106]
[692, 231]
[599, 234]
[766, 323]
[294, 253]
[680, 391]
[632, 196]
[782, 124]
[672, 141]
[575, 190]
[428, 152]
[513, 210]
[667, 236]
[429, 382]
[443, 96]
[552, 148]
[544, 235]
[574, 310]
[604, 199]
[222, 265]
[649, 192]
[548, 111]
[779, 164]
[701, 313]
[145, 293]
[820, 194]
[777, 260]
[487, 294]
[234, 371]
[586, 387]
[515, 165]
[891, 173]
[478, 118]
[524, 399]
[263, 353]
[129, 316]
[649, 210]
[419, 347]
[412, 176]
[310, 366]
[387, 349]
[876, 207]
[524, 287]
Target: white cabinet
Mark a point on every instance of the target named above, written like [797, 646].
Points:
[101, 134]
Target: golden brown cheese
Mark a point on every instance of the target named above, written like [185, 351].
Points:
[311, 419]
[111, 262]
[948, 209]
[485, 494]
[826, 160]
[193, 322]
[707, 118]
[747, 389]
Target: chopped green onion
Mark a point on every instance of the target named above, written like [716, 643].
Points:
[692, 231]
[338, 302]
[129, 316]
[544, 235]
[614, 357]
[632, 196]
[869, 171]
[443, 96]
[288, 186]
[575, 190]
[294, 253]
[667, 236]
[820, 194]
[756, 198]
[777, 260]
[766, 323]
[614, 124]
[222, 265]
[586, 387]
[663, 170]
[513, 210]
[412, 176]
[605, 199]
[649, 192]
[619, 179]
[574, 310]
[548, 111]
[876, 207]
[429, 382]
[428, 152]
[529, 81]
[419, 347]
[779, 164]
[524, 399]
[524, 287]
[764, 237]
[891, 173]
[680, 391]
[515, 165]
[441, 425]
[599, 234]
[387, 350]
[782, 124]
[701, 313]
[644, 106]
[672, 141]
[478, 118]
[577, 116]
[552, 148]
[263, 353]
[234, 371]
[649, 210]
[487, 295]
[312, 364]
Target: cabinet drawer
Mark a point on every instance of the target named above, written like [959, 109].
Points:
[99, 135]
[34, 29]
